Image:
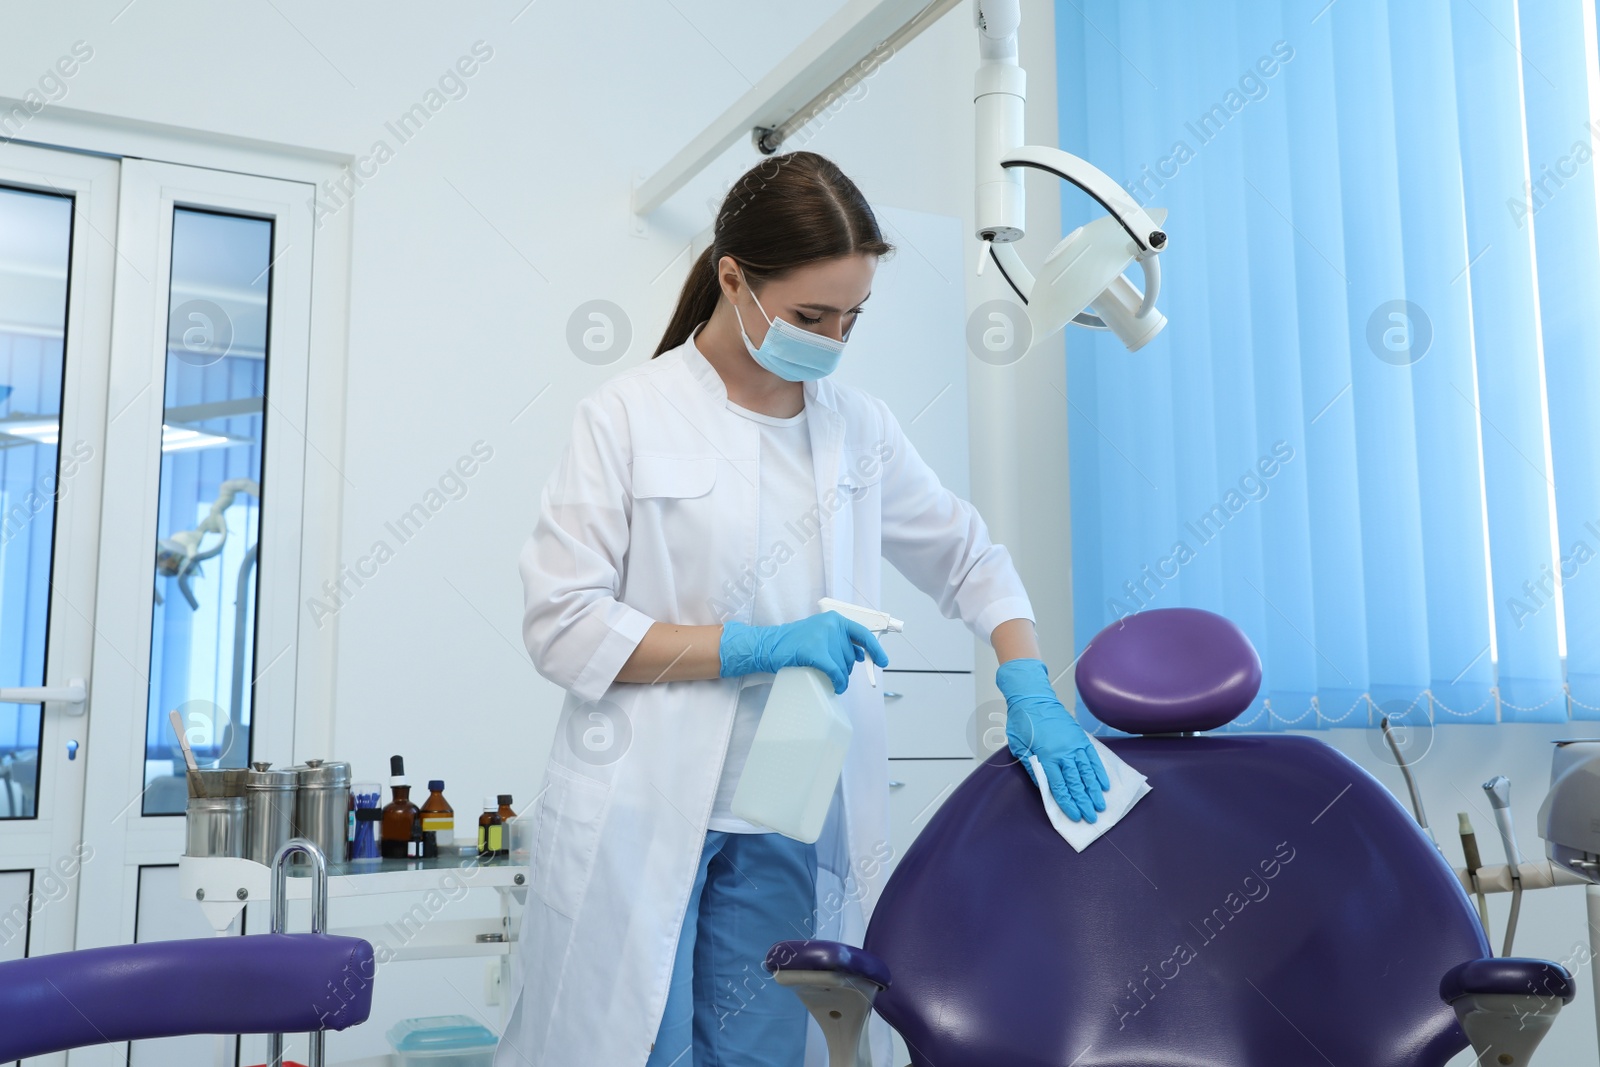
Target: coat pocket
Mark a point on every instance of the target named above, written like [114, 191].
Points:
[567, 822]
[859, 471]
[673, 476]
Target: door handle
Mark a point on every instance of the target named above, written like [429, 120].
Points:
[74, 694]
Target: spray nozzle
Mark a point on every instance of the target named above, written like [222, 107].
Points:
[879, 622]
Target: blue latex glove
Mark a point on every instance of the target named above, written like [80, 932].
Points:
[827, 641]
[1037, 724]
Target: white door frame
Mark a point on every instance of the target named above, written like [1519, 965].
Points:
[122, 837]
[52, 839]
[327, 171]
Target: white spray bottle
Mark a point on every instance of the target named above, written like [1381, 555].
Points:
[799, 746]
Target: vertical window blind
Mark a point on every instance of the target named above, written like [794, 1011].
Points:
[1370, 434]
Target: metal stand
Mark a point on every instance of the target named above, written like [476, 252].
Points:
[280, 919]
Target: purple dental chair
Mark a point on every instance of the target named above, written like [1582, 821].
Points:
[260, 984]
[1268, 904]
[275, 983]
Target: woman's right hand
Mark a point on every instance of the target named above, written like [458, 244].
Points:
[827, 641]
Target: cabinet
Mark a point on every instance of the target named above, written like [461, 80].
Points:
[931, 714]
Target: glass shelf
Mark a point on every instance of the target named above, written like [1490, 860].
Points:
[445, 861]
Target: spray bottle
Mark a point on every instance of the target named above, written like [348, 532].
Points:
[799, 746]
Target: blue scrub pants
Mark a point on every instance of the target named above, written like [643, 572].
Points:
[723, 1008]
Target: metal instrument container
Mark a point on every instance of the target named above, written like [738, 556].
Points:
[220, 781]
[215, 826]
[270, 803]
[322, 807]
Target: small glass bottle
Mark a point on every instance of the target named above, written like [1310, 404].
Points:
[399, 816]
[438, 820]
[491, 829]
[506, 815]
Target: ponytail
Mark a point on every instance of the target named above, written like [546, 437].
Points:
[785, 212]
[695, 303]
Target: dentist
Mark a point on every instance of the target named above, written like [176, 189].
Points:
[705, 502]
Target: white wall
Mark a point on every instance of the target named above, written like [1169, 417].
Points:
[474, 244]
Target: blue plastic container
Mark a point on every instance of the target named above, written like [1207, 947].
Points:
[442, 1041]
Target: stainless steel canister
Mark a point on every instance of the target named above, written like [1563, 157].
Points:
[270, 801]
[221, 781]
[214, 826]
[322, 807]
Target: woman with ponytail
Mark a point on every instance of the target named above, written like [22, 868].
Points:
[708, 498]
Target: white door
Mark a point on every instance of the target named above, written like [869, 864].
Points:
[58, 218]
[154, 327]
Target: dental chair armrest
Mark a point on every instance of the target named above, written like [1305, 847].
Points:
[837, 984]
[1506, 1004]
[260, 984]
[831, 956]
[1508, 975]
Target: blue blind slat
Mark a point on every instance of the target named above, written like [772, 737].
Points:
[1557, 42]
[1323, 217]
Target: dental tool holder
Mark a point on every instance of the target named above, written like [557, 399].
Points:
[1544, 874]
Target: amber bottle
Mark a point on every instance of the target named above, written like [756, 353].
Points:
[491, 830]
[506, 815]
[438, 820]
[400, 817]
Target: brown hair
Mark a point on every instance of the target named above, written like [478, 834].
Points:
[785, 212]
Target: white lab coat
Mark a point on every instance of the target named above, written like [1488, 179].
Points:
[651, 515]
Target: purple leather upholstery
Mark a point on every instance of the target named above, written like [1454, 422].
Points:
[1267, 904]
[261, 984]
[827, 956]
[1508, 974]
[1168, 670]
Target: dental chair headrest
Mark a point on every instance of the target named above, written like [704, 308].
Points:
[1169, 670]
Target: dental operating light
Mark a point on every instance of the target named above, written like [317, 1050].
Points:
[1081, 280]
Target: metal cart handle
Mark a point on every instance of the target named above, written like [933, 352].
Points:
[280, 919]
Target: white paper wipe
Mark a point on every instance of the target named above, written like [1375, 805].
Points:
[1127, 786]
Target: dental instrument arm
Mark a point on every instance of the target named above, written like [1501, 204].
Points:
[1411, 785]
[1082, 278]
[179, 555]
[1499, 790]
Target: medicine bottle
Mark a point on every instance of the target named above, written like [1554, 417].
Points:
[491, 830]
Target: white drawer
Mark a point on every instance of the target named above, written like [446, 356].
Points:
[917, 787]
[931, 641]
[930, 714]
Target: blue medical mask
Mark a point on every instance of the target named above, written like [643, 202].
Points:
[793, 354]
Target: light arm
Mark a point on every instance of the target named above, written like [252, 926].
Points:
[672, 653]
[1015, 639]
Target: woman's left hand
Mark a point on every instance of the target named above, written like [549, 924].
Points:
[1037, 724]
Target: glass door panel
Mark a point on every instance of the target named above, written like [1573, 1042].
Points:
[198, 585]
[202, 640]
[56, 276]
[35, 258]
